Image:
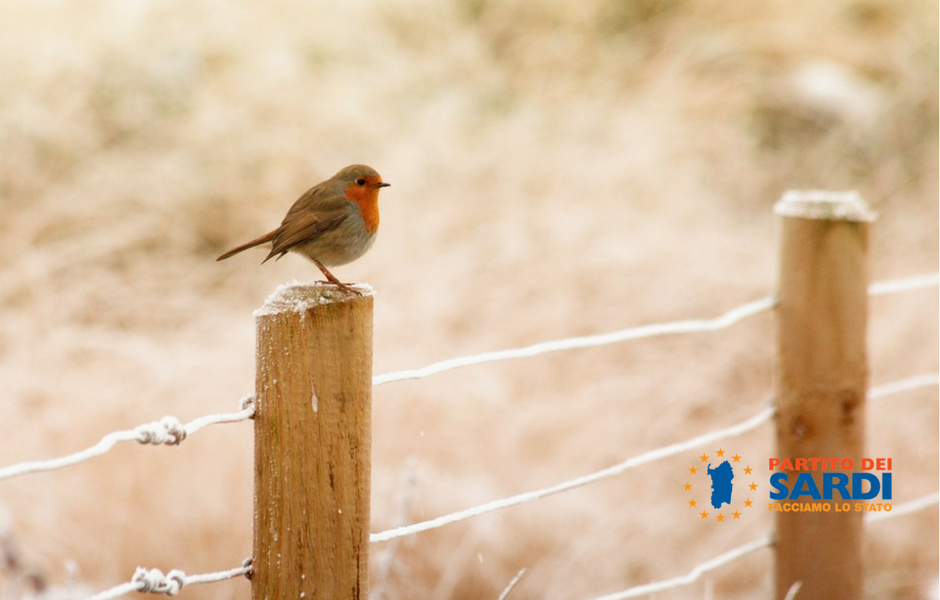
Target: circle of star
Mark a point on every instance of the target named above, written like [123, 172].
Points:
[720, 517]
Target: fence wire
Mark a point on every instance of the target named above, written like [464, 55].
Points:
[167, 430]
[904, 284]
[633, 333]
[645, 458]
[693, 575]
[153, 581]
[745, 549]
[905, 508]
[735, 315]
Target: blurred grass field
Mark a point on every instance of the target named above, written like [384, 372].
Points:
[558, 168]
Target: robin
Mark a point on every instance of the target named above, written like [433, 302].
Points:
[332, 224]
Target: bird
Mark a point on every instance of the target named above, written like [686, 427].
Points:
[333, 223]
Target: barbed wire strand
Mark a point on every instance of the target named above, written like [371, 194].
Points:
[644, 331]
[167, 430]
[736, 553]
[153, 581]
[793, 591]
[170, 431]
[905, 508]
[879, 288]
[693, 575]
[904, 284]
[512, 584]
[388, 560]
[642, 459]
[903, 385]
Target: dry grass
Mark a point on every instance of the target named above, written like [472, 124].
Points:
[558, 168]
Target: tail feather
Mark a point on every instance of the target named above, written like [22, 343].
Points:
[255, 242]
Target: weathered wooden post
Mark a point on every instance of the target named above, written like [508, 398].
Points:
[312, 444]
[820, 382]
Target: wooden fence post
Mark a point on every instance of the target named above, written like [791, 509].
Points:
[821, 381]
[313, 444]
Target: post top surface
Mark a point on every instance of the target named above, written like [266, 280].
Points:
[301, 297]
[823, 204]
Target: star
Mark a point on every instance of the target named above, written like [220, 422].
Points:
[704, 514]
[736, 514]
[720, 452]
[692, 502]
[687, 486]
[748, 470]
[704, 457]
[720, 518]
[747, 503]
[753, 486]
[736, 458]
[692, 470]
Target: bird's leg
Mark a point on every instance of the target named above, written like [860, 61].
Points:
[332, 279]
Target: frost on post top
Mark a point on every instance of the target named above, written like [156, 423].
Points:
[300, 297]
[819, 204]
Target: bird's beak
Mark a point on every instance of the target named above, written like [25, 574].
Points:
[382, 184]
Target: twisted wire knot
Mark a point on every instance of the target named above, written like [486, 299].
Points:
[167, 430]
[154, 581]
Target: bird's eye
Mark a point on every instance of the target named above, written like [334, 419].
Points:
[360, 181]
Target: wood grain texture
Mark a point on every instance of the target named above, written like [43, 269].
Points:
[821, 382]
[312, 444]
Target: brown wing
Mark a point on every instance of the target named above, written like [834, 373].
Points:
[317, 211]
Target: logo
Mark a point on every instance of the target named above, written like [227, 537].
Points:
[720, 490]
[836, 476]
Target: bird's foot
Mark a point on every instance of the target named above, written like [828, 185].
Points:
[330, 278]
[343, 286]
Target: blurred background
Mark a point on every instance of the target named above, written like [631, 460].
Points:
[558, 168]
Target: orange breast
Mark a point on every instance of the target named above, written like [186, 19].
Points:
[367, 197]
